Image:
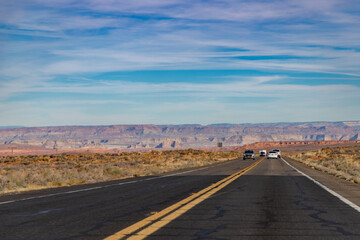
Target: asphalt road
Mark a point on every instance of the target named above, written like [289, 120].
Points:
[270, 201]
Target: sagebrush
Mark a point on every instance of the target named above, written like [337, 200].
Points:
[343, 162]
[34, 172]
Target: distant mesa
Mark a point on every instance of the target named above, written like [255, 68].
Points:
[143, 137]
[138, 145]
[169, 144]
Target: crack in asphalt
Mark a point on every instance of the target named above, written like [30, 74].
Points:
[270, 216]
[220, 213]
[205, 234]
[317, 212]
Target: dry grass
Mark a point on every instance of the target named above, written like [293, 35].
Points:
[343, 162]
[19, 173]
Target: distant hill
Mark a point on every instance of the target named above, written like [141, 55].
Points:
[177, 136]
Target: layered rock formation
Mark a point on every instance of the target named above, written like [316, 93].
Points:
[177, 136]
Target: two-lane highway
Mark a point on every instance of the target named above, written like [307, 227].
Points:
[271, 200]
[97, 211]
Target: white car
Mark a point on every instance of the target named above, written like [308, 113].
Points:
[278, 152]
[272, 154]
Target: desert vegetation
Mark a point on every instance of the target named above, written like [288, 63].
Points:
[343, 162]
[35, 172]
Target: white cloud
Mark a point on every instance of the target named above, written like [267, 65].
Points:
[247, 86]
[197, 104]
[178, 43]
[45, 41]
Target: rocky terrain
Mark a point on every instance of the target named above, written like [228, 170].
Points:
[134, 137]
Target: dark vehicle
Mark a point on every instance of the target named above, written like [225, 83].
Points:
[249, 154]
[262, 153]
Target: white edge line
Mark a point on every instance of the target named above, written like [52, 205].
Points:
[348, 202]
[110, 185]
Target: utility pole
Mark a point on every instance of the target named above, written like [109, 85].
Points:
[56, 148]
[12, 150]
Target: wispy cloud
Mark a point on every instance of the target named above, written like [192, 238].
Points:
[285, 48]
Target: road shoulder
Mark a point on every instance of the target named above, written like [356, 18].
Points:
[348, 190]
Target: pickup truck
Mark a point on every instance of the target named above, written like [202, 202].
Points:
[249, 154]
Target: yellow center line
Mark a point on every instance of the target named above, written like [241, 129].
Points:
[160, 219]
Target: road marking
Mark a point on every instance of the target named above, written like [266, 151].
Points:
[110, 185]
[348, 202]
[149, 225]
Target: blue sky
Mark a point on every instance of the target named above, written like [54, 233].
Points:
[101, 62]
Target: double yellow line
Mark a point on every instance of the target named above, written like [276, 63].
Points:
[149, 225]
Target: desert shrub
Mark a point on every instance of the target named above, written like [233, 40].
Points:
[343, 162]
[32, 172]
